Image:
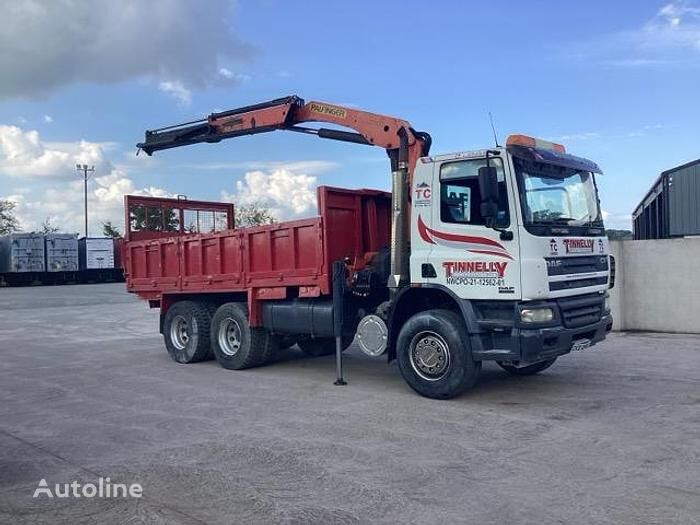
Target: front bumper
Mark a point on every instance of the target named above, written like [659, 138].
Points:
[538, 344]
[577, 319]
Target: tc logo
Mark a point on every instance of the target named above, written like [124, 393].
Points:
[423, 191]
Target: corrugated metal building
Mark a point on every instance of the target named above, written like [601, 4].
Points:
[671, 208]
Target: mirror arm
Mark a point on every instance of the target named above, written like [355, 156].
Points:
[505, 235]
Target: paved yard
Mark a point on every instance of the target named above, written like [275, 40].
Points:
[610, 435]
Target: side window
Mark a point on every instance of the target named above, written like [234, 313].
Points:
[460, 199]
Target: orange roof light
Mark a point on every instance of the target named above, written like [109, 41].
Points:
[531, 142]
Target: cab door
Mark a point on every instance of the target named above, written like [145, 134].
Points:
[469, 258]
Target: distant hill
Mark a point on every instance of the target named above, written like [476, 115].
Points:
[619, 235]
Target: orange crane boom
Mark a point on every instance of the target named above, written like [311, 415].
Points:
[286, 114]
[403, 144]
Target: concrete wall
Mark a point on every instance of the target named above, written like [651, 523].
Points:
[657, 286]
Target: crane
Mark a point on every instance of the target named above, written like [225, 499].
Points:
[403, 144]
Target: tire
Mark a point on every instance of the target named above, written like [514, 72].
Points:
[530, 370]
[320, 346]
[211, 309]
[434, 355]
[186, 330]
[235, 343]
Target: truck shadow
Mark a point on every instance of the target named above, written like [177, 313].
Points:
[494, 384]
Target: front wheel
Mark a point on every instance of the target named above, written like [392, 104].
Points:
[434, 355]
[530, 370]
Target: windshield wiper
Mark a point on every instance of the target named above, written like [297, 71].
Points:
[555, 220]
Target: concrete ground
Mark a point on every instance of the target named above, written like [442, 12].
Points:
[609, 435]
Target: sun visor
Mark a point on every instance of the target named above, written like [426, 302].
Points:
[547, 156]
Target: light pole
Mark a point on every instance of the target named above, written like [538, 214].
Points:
[85, 171]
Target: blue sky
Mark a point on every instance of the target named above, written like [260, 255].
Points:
[616, 82]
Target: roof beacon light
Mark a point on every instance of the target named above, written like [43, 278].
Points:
[531, 142]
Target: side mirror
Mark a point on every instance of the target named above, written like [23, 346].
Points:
[488, 188]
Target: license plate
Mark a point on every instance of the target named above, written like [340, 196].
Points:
[581, 344]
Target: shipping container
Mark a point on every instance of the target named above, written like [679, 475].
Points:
[96, 253]
[22, 253]
[61, 252]
[671, 208]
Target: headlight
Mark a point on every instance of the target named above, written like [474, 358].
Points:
[607, 303]
[536, 315]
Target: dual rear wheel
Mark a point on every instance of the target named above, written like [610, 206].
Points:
[195, 331]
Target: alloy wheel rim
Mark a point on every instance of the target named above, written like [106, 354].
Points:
[429, 355]
[180, 332]
[229, 337]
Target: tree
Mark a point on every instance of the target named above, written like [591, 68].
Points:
[154, 218]
[47, 227]
[110, 230]
[619, 235]
[254, 214]
[8, 221]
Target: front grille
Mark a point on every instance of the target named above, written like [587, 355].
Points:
[577, 283]
[569, 265]
[581, 310]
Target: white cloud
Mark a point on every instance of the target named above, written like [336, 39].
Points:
[670, 38]
[675, 26]
[675, 12]
[576, 137]
[63, 206]
[23, 154]
[177, 90]
[230, 75]
[309, 167]
[48, 44]
[50, 187]
[286, 193]
[48, 119]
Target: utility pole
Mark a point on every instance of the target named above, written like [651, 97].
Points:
[85, 171]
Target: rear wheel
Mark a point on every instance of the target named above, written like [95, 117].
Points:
[434, 355]
[320, 346]
[530, 370]
[186, 331]
[235, 343]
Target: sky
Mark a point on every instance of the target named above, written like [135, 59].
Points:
[616, 82]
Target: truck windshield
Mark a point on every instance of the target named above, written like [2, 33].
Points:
[554, 195]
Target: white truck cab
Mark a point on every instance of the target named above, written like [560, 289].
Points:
[546, 240]
[515, 236]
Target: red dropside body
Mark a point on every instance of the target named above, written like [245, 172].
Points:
[278, 261]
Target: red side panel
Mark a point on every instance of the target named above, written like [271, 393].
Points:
[285, 253]
[264, 260]
[356, 223]
[153, 265]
